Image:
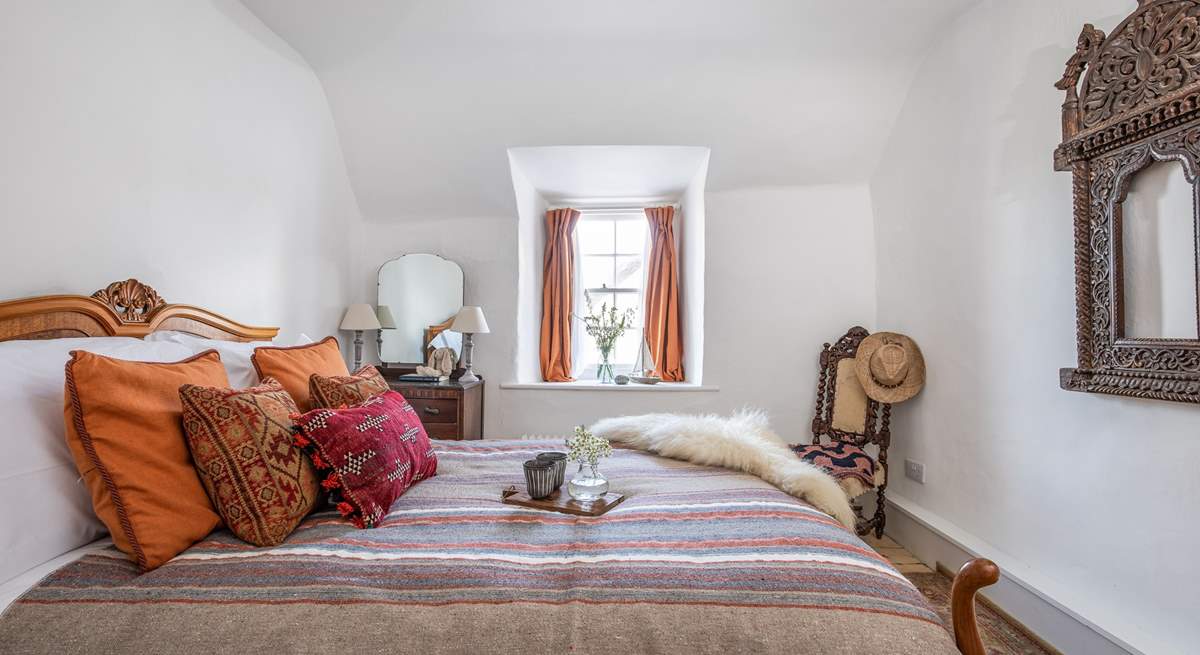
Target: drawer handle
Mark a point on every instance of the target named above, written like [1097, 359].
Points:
[432, 410]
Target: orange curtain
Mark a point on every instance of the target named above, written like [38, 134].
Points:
[664, 333]
[557, 271]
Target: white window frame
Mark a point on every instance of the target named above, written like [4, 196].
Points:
[589, 372]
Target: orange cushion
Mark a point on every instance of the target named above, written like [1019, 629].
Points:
[344, 391]
[125, 433]
[293, 366]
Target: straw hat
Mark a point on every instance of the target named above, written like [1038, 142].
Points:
[890, 367]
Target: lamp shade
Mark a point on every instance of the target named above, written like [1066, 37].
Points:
[360, 317]
[470, 320]
[384, 314]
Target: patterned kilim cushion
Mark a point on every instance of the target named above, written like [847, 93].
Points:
[368, 454]
[841, 460]
[241, 442]
[345, 390]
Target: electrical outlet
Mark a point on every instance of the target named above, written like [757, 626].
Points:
[914, 470]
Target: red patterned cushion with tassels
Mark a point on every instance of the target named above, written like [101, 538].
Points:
[367, 455]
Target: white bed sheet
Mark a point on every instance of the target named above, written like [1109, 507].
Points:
[12, 589]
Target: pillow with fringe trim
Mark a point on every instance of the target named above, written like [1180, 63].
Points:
[367, 455]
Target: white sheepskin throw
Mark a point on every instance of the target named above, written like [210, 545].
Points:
[743, 442]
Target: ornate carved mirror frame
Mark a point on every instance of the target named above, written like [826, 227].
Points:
[1139, 103]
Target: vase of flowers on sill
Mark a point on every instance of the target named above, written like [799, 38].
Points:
[606, 327]
[587, 449]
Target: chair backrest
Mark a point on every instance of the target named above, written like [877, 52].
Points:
[844, 412]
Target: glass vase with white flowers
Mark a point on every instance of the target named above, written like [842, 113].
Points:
[605, 327]
[587, 449]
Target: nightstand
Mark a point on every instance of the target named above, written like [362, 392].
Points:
[448, 410]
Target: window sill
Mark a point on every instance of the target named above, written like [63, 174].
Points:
[592, 385]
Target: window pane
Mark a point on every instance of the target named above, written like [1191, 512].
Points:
[625, 352]
[589, 354]
[631, 236]
[596, 271]
[629, 272]
[595, 236]
[612, 249]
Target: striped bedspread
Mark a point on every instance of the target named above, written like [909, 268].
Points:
[696, 560]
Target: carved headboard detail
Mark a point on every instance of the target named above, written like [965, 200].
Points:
[1138, 103]
[131, 299]
[121, 309]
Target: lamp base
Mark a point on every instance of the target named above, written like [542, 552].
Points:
[358, 344]
[468, 350]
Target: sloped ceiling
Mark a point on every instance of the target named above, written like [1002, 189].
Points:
[428, 95]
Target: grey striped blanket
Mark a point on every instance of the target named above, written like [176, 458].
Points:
[696, 560]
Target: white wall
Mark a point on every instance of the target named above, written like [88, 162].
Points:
[531, 245]
[691, 234]
[429, 95]
[787, 269]
[182, 143]
[1093, 494]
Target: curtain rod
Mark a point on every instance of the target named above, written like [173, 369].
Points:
[616, 210]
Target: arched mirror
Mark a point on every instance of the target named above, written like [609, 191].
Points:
[423, 293]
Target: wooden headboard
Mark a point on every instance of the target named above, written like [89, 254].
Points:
[122, 309]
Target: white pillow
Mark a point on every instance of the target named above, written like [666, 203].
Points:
[47, 510]
[234, 355]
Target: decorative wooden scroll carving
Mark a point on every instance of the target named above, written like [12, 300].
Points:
[126, 309]
[1139, 102]
[131, 299]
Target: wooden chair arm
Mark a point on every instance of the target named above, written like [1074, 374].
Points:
[973, 576]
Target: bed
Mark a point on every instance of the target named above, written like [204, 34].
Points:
[697, 559]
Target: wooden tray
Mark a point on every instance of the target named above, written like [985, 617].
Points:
[561, 501]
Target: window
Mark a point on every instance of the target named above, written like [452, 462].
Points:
[612, 249]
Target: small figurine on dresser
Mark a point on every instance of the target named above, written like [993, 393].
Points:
[440, 365]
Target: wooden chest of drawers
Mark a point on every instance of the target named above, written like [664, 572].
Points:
[448, 410]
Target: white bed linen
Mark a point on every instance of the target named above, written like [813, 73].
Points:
[234, 355]
[22, 582]
[47, 510]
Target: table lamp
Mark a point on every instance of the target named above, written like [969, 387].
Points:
[468, 322]
[358, 318]
[386, 322]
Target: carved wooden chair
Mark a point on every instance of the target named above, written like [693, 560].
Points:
[845, 424]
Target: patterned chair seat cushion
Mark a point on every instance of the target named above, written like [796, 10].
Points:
[851, 466]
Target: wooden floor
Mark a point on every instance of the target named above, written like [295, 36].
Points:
[897, 555]
[1001, 634]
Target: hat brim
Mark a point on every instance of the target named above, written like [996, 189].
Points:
[913, 382]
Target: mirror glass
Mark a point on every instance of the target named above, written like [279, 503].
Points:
[1159, 242]
[422, 291]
